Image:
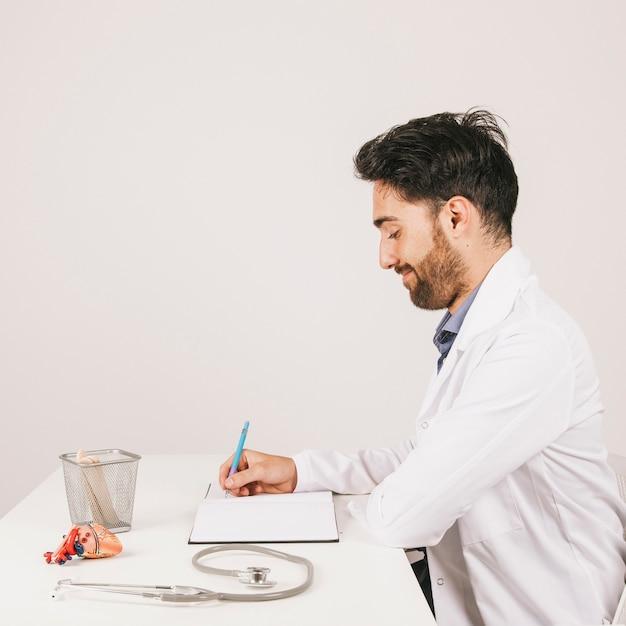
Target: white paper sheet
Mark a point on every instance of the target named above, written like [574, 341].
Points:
[265, 518]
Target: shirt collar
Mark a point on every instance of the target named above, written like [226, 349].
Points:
[452, 322]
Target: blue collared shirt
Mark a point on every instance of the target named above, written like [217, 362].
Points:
[450, 326]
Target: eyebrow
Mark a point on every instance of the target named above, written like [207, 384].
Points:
[386, 218]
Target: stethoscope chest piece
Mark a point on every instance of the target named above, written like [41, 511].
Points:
[255, 577]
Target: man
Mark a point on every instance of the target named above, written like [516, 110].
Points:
[505, 480]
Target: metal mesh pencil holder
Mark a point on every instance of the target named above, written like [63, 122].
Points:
[104, 491]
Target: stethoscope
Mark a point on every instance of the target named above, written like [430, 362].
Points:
[252, 576]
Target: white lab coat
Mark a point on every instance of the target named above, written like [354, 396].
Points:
[506, 479]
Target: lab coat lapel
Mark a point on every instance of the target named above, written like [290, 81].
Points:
[493, 302]
[437, 379]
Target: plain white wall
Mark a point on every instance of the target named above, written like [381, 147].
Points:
[183, 245]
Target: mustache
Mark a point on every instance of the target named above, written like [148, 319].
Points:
[403, 268]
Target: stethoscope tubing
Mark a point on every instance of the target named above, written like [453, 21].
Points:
[169, 593]
[254, 597]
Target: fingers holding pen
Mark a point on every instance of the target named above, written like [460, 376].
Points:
[244, 482]
[225, 468]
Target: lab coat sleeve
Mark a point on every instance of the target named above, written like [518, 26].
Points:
[516, 401]
[355, 473]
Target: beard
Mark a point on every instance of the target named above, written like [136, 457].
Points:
[439, 276]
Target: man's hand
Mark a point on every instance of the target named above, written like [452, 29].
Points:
[259, 473]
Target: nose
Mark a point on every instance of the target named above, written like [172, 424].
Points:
[386, 256]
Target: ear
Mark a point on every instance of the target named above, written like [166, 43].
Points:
[457, 215]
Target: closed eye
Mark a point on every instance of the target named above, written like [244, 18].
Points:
[394, 235]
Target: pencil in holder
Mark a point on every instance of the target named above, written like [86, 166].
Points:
[100, 487]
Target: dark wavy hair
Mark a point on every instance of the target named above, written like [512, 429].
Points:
[434, 158]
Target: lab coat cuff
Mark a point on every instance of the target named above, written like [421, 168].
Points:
[303, 471]
[358, 511]
[373, 511]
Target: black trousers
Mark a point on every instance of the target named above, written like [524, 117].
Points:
[422, 573]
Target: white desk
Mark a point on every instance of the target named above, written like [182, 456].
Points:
[356, 581]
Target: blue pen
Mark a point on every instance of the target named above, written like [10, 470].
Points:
[238, 451]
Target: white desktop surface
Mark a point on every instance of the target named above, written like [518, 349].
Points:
[356, 581]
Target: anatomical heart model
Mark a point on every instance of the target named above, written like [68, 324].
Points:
[90, 541]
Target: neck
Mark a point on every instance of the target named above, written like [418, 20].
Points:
[477, 268]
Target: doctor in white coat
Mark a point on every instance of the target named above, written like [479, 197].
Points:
[505, 479]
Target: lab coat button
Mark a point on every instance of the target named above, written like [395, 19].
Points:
[424, 425]
[440, 581]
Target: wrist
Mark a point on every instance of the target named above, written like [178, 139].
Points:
[294, 475]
